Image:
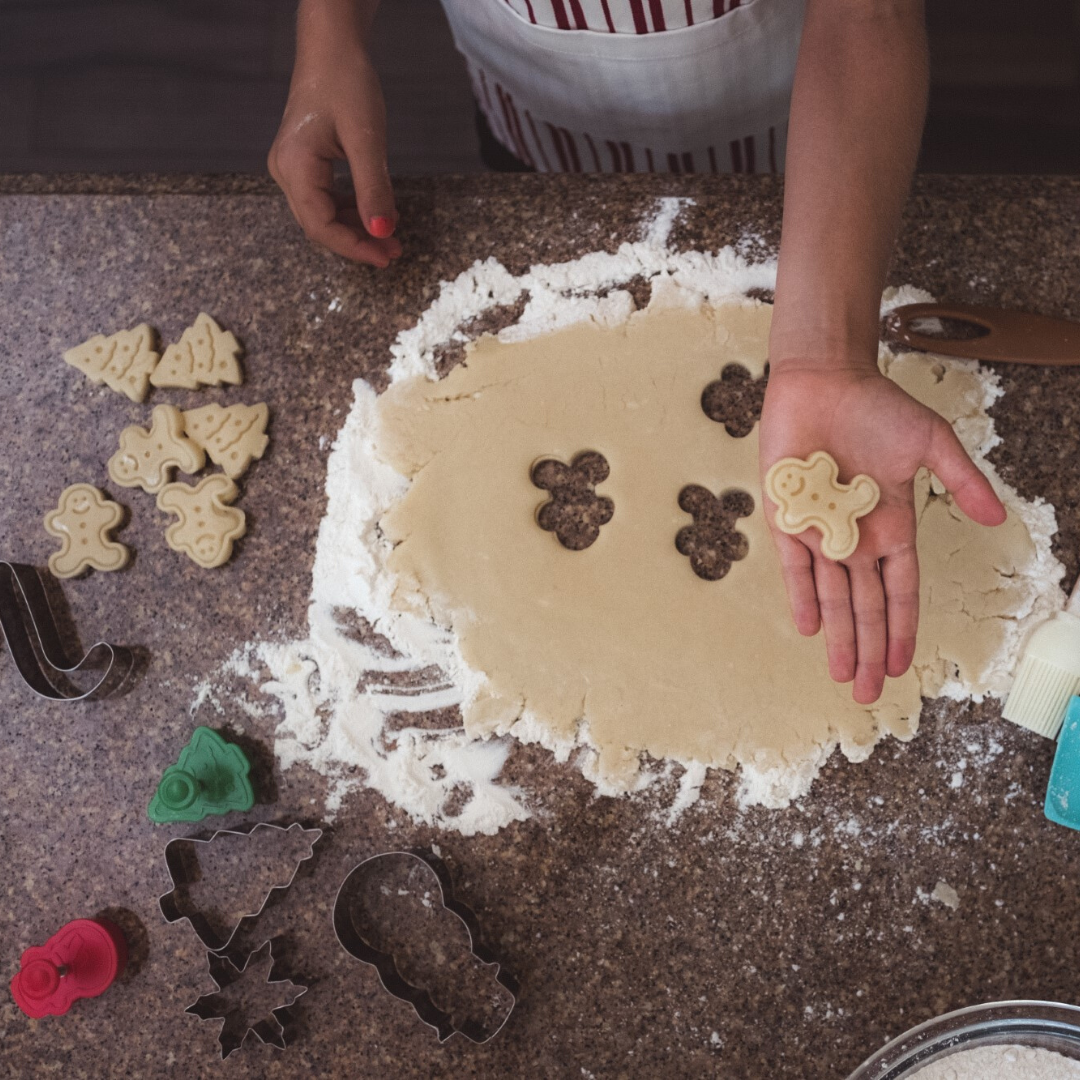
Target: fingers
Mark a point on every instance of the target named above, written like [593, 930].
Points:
[834, 601]
[796, 563]
[308, 183]
[364, 144]
[900, 576]
[948, 461]
[871, 631]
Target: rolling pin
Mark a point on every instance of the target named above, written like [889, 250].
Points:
[1014, 337]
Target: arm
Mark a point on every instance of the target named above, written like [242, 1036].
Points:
[335, 112]
[856, 119]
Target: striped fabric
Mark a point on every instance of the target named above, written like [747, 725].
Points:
[548, 148]
[620, 16]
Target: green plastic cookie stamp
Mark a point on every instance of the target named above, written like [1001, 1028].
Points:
[211, 777]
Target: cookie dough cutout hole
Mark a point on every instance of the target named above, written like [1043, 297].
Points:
[712, 543]
[575, 513]
[735, 400]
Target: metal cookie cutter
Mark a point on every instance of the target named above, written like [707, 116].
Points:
[235, 1024]
[353, 943]
[184, 869]
[27, 620]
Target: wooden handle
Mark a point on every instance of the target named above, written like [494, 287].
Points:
[1015, 337]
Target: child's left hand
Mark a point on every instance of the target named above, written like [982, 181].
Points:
[869, 604]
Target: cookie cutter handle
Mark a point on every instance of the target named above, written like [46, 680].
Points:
[32, 621]
[1011, 336]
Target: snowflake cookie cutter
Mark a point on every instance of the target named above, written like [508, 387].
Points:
[355, 944]
[181, 858]
[33, 639]
[235, 1026]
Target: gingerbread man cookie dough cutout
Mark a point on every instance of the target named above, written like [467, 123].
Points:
[124, 361]
[83, 520]
[808, 494]
[147, 459]
[233, 436]
[205, 355]
[207, 525]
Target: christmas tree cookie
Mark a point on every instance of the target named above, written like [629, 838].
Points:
[147, 458]
[233, 437]
[205, 355]
[210, 777]
[124, 361]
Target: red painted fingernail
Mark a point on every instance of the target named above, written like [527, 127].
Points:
[382, 227]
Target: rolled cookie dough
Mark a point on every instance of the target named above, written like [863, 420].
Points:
[622, 644]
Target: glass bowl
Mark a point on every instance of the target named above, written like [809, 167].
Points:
[1046, 1024]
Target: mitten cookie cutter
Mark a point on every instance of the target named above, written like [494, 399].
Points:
[353, 943]
[270, 1030]
[184, 871]
[27, 620]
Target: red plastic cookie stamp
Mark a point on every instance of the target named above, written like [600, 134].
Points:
[80, 960]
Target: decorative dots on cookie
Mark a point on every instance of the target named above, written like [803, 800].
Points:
[147, 458]
[574, 513]
[82, 521]
[808, 494]
[124, 361]
[206, 526]
[205, 355]
[233, 436]
[712, 543]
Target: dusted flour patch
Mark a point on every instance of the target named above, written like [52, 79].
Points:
[1007, 1062]
[386, 648]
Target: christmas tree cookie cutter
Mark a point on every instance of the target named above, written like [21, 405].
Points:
[235, 1025]
[182, 860]
[353, 942]
[210, 777]
[33, 639]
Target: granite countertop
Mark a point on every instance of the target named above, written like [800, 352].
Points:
[780, 944]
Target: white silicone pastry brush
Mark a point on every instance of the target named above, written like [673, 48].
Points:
[1049, 672]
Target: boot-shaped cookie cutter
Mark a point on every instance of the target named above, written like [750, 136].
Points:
[27, 621]
[353, 943]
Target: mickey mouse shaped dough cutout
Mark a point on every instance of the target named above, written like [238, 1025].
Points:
[207, 525]
[83, 520]
[205, 355]
[808, 494]
[147, 459]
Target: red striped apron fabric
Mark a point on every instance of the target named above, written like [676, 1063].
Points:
[633, 85]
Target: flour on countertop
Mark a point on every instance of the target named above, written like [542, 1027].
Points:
[356, 694]
[1006, 1062]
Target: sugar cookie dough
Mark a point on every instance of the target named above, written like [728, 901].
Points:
[206, 524]
[233, 436]
[205, 355]
[808, 495]
[620, 644]
[84, 520]
[148, 457]
[123, 361]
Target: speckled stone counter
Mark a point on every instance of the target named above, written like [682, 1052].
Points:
[763, 944]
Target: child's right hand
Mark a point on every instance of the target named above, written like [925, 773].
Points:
[335, 112]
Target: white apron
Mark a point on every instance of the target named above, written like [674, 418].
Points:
[713, 97]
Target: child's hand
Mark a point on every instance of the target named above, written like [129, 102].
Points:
[335, 112]
[869, 604]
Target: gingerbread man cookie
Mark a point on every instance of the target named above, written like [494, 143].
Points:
[124, 361]
[83, 520]
[205, 355]
[147, 459]
[207, 525]
[233, 436]
[808, 495]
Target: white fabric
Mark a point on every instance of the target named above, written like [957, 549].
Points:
[684, 90]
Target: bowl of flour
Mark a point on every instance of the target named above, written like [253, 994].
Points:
[1004, 1040]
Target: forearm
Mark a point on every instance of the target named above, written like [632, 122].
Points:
[856, 120]
[331, 24]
